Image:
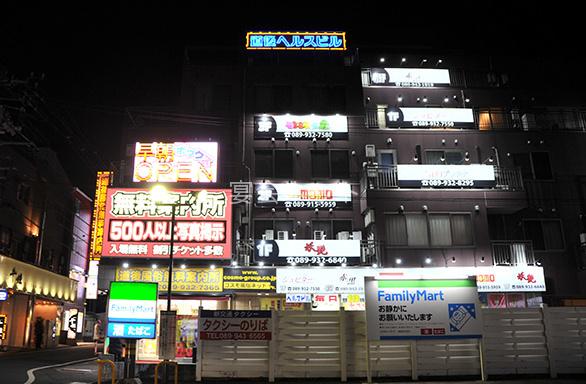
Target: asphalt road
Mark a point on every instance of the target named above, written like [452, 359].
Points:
[14, 365]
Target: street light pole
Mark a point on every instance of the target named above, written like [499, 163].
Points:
[170, 277]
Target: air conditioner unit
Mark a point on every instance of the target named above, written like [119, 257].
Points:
[344, 235]
[269, 234]
[370, 151]
[282, 235]
[357, 235]
[319, 235]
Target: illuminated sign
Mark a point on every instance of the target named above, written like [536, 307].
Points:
[136, 227]
[4, 295]
[410, 77]
[303, 196]
[445, 176]
[429, 117]
[327, 252]
[320, 41]
[193, 162]
[235, 325]
[250, 279]
[3, 326]
[422, 309]
[184, 279]
[102, 183]
[300, 127]
[325, 302]
[132, 310]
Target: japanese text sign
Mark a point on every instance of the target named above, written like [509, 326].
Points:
[137, 227]
[99, 213]
[184, 279]
[303, 195]
[321, 41]
[299, 127]
[307, 252]
[422, 309]
[132, 310]
[235, 325]
[250, 279]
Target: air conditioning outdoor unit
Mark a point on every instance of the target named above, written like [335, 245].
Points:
[357, 235]
[319, 235]
[269, 234]
[282, 235]
[370, 151]
[345, 235]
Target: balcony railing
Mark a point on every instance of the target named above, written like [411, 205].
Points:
[370, 252]
[512, 253]
[513, 120]
[385, 177]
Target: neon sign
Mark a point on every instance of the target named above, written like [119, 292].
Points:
[299, 127]
[192, 162]
[102, 182]
[324, 41]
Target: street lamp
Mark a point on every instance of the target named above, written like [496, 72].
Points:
[160, 197]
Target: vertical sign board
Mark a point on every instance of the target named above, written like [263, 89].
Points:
[167, 335]
[132, 310]
[235, 325]
[99, 214]
[422, 309]
[3, 325]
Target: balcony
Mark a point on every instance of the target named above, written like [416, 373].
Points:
[385, 177]
[512, 253]
[498, 119]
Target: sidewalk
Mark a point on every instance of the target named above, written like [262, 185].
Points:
[11, 351]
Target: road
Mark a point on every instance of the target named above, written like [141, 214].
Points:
[14, 365]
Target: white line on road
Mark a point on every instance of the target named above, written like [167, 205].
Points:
[30, 372]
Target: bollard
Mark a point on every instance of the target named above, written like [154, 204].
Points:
[176, 377]
[100, 364]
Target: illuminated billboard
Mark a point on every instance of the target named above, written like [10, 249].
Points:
[303, 195]
[192, 162]
[410, 77]
[300, 126]
[315, 41]
[137, 227]
[405, 117]
[99, 211]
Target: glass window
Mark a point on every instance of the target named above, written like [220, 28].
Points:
[439, 230]
[341, 226]
[340, 164]
[284, 164]
[417, 235]
[545, 234]
[263, 163]
[320, 164]
[541, 166]
[462, 231]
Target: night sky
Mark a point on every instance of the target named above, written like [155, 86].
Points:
[99, 59]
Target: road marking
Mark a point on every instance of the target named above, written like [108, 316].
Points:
[30, 372]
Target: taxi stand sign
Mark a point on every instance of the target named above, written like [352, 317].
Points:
[132, 310]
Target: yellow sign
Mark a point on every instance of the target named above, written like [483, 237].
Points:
[102, 183]
[184, 280]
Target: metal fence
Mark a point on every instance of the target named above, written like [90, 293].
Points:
[311, 344]
[385, 177]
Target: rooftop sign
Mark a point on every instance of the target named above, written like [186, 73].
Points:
[324, 41]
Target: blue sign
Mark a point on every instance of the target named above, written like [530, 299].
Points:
[329, 41]
[132, 330]
[3, 295]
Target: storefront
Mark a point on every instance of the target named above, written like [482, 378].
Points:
[34, 303]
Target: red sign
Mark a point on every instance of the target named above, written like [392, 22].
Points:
[137, 227]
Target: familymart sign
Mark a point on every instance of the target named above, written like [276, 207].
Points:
[422, 309]
[132, 310]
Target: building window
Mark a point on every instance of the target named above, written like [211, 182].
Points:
[5, 240]
[23, 193]
[546, 235]
[429, 230]
[444, 157]
[276, 163]
[327, 164]
[534, 165]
